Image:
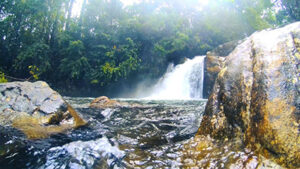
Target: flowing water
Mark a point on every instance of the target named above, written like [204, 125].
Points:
[149, 133]
[143, 134]
[185, 81]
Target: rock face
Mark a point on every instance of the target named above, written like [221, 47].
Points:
[35, 109]
[256, 95]
[214, 62]
[213, 65]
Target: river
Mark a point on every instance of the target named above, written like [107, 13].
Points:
[147, 134]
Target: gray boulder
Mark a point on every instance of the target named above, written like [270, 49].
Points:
[35, 109]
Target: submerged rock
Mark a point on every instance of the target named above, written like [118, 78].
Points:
[36, 109]
[85, 154]
[256, 95]
[104, 102]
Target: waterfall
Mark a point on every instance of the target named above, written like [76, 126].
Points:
[184, 81]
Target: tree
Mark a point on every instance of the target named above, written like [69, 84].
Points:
[290, 10]
[69, 14]
[74, 67]
[112, 44]
[35, 56]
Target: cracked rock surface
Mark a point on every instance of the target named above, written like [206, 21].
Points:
[35, 109]
[29, 97]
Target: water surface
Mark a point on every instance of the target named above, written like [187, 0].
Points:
[146, 134]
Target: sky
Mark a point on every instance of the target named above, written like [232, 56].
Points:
[76, 7]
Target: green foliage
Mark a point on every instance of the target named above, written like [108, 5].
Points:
[36, 58]
[2, 78]
[111, 44]
[34, 71]
[289, 11]
[120, 63]
[74, 66]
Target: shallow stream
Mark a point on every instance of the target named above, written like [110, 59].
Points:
[146, 134]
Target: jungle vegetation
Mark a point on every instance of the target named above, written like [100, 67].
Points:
[109, 45]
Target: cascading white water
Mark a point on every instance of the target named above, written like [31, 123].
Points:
[185, 81]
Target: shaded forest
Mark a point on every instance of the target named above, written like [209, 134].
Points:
[110, 47]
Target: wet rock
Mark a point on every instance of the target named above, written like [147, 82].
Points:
[213, 65]
[9, 141]
[214, 62]
[206, 152]
[36, 109]
[85, 154]
[225, 49]
[147, 135]
[104, 102]
[256, 95]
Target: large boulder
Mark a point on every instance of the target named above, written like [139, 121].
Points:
[214, 62]
[36, 109]
[256, 95]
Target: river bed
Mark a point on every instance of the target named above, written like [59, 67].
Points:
[147, 134]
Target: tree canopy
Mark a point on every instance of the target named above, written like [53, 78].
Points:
[110, 44]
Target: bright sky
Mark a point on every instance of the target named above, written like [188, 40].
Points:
[78, 3]
[77, 7]
[129, 2]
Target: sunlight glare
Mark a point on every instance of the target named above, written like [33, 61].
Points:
[76, 8]
[203, 2]
[78, 3]
[130, 2]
